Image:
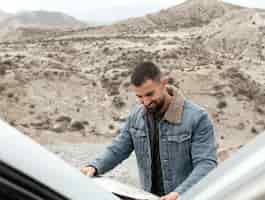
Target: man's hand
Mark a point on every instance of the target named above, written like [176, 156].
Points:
[88, 171]
[171, 196]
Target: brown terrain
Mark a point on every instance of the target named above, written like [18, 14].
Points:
[73, 85]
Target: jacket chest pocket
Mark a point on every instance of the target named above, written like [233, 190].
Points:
[140, 140]
[179, 146]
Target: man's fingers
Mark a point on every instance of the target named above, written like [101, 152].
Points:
[171, 196]
[88, 171]
[84, 170]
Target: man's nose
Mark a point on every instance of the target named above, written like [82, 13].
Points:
[146, 101]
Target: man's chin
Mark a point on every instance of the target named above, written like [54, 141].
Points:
[151, 110]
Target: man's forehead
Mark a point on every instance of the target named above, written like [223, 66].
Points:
[147, 86]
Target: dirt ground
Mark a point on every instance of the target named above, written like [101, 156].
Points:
[74, 87]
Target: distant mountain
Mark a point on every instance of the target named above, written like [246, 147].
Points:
[39, 19]
[240, 33]
[188, 14]
[4, 15]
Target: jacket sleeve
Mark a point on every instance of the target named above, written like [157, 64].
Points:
[203, 152]
[114, 154]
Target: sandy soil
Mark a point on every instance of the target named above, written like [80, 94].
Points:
[74, 87]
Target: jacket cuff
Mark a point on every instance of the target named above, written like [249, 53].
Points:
[96, 165]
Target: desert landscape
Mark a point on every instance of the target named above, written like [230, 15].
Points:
[71, 86]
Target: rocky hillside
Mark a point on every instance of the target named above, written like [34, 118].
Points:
[240, 33]
[4, 15]
[192, 13]
[40, 19]
[74, 86]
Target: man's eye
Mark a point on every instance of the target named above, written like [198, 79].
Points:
[149, 94]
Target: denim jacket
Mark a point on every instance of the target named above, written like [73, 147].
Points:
[186, 140]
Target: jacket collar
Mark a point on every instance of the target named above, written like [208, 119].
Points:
[175, 110]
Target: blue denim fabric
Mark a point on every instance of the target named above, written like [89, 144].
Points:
[187, 148]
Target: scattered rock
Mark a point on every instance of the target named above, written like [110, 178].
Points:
[76, 126]
[111, 126]
[2, 88]
[16, 99]
[126, 84]
[219, 86]
[12, 123]
[219, 64]
[261, 123]
[25, 125]
[19, 56]
[243, 85]
[112, 79]
[112, 91]
[85, 122]
[117, 117]
[93, 129]
[10, 95]
[60, 127]
[118, 102]
[241, 126]
[7, 62]
[2, 70]
[94, 83]
[31, 112]
[63, 118]
[218, 67]
[260, 109]
[106, 50]
[222, 104]
[40, 123]
[61, 124]
[218, 94]
[254, 130]
[49, 55]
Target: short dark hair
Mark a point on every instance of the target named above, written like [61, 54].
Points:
[145, 71]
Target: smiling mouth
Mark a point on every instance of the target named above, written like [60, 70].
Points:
[152, 105]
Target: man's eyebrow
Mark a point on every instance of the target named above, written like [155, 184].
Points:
[150, 93]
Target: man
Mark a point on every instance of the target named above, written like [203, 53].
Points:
[173, 138]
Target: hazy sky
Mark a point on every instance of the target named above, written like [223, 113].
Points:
[104, 10]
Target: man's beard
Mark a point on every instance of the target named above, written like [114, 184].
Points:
[157, 106]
